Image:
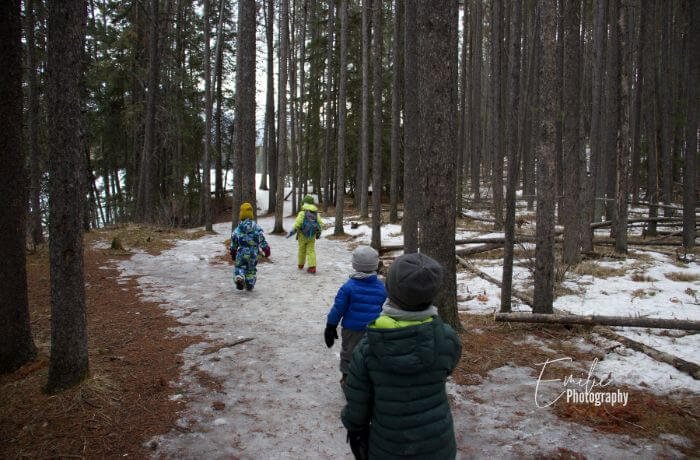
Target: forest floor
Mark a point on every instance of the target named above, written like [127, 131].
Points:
[185, 366]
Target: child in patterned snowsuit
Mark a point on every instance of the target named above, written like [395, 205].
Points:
[247, 240]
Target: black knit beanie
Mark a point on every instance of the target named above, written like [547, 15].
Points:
[413, 281]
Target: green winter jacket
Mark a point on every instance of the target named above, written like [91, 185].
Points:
[396, 386]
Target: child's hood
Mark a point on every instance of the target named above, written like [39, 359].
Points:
[405, 349]
[309, 207]
[247, 226]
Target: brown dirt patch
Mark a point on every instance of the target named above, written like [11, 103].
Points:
[682, 277]
[133, 359]
[123, 238]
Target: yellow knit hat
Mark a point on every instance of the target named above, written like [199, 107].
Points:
[246, 211]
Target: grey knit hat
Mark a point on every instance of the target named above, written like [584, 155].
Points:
[365, 259]
[413, 281]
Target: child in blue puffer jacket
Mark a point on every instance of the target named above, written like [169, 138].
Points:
[358, 302]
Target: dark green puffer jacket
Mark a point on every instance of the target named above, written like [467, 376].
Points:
[396, 385]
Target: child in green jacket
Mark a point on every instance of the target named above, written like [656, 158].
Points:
[396, 399]
[308, 227]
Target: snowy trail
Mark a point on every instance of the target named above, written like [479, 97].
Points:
[281, 392]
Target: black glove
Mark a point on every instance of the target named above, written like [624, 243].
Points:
[359, 444]
[330, 334]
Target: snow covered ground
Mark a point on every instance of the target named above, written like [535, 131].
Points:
[279, 395]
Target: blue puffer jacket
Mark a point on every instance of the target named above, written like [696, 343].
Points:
[358, 303]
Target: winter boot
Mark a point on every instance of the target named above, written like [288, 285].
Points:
[301, 267]
[249, 287]
[240, 283]
[312, 270]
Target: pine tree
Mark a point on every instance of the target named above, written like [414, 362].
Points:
[437, 140]
[377, 46]
[69, 353]
[342, 110]
[544, 253]
[16, 345]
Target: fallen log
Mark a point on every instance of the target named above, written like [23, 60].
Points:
[478, 249]
[595, 320]
[472, 269]
[609, 242]
[488, 240]
[682, 365]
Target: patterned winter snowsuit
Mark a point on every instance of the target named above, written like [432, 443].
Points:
[247, 240]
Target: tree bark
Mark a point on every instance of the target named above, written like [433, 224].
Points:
[513, 158]
[596, 135]
[342, 110]
[218, 69]
[366, 38]
[282, 109]
[144, 199]
[395, 114]
[326, 169]
[68, 364]
[649, 117]
[33, 126]
[623, 140]
[437, 104]
[544, 253]
[691, 130]
[475, 57]
[496, 113]
[574, 163]
[16, 344]
[245, 107]
[636, 115]
[206, 160]
[377, 46]
[412, 198]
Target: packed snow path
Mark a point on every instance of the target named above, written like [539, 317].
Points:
[280, 391]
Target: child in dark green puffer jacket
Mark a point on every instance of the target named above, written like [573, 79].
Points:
[396, 399]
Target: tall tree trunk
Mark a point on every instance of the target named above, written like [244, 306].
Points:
[612, 106]
[342, 110]
[513, 159]
[245, 107]
[301, 119]
[574, 164]
[69, 354]
[16, 344]
[282, 108]
[558, 121]
[395, 114]
[438, 128]
[623, 142]
[636, 115]
[377, 45]
[145, 200]
[596, 194]
[218, 69]
[496, 113]
[463, 130]
[206, 161]
[475, 57]
[544, 252]
[271, 146]
[411, 195]
[293, 109]
[649, 113]
[33, 126]
[366, 38]
[325, 170]
[691, 130]
[663, 103]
